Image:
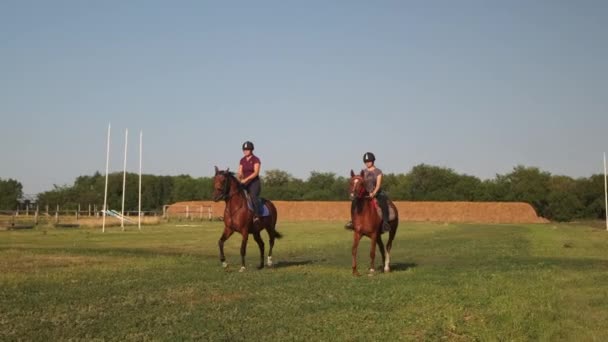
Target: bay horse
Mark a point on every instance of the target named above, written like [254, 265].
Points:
[367, 222]
[239, 218]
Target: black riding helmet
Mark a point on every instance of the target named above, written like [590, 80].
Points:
[248, 145]
[369, 157]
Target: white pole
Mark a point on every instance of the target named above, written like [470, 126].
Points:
[105, 193]
[124, 182]
[606, 190]
[141, 135]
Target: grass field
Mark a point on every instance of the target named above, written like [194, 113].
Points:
[449, 282]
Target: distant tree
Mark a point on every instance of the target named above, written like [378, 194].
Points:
[10, 193]
[276, 178]
[558, 198]
[590, 191]
[432, 183]
[531, 185]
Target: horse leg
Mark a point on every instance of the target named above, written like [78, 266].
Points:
[356, 239]
[271, 237]
[225, 235]
[389, 246]
[244, 249]
[381, 247]
[372, 253]
[258, 239]
[272, 233]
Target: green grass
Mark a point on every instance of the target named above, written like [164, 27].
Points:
[454, 282]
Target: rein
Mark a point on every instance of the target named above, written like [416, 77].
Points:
[226, 195]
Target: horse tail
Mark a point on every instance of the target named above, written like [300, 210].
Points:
[273, 213]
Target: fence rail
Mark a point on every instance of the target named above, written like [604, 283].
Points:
[188, 212]
[27, 219]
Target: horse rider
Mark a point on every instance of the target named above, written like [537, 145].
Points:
[249, 176]
[372, 176]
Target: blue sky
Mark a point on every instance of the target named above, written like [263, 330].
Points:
[477, 86]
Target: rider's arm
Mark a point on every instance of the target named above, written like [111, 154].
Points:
[240, 173]
[256, 172]
[378, 185]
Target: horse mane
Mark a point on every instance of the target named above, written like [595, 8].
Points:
[227, 173]
[232, 176]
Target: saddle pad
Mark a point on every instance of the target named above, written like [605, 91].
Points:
[265, 210]
[391, 210]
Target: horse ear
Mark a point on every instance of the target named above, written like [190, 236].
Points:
[352, 173]
[228, 170]
[216, 170]
[362, 173]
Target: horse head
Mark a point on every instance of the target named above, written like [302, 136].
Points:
[356, 186]
[222, 184]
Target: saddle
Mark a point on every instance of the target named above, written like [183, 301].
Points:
[391, 211]
[261, 204]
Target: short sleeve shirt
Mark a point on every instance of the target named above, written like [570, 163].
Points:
[370, 178]
[248, 165]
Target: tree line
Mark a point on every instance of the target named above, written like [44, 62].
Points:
[555, 197]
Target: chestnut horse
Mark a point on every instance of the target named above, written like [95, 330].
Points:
[239, 218]
[367, 222]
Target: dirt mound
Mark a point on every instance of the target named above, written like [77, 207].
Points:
[471, 212]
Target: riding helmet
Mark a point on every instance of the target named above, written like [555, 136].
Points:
[369, 157]
[248, 145]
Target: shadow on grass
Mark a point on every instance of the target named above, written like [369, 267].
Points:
[402, 266]
[282, 264]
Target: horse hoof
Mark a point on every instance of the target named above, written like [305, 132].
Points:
[261, 267]
[387, 269]
[242, 269]
[356, 274]
[372, 272]
[224, 264]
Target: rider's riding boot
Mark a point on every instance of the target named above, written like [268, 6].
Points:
[385, 226]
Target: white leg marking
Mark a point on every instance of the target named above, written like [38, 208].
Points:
[224, 264]
[242, 269]
[387, 263]
[269, 261]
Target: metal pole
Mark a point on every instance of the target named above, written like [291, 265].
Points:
[606, 190]
[105, 193]
[141, 137]
[124, 182]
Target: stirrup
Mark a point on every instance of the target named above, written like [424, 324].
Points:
[349, 225]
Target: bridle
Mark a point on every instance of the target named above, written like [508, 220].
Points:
[361, 191]
[225, 194]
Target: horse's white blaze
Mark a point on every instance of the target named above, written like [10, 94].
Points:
[242, 269]
[269, 261]
[387, 262]
[224, 264]
[354, 187]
